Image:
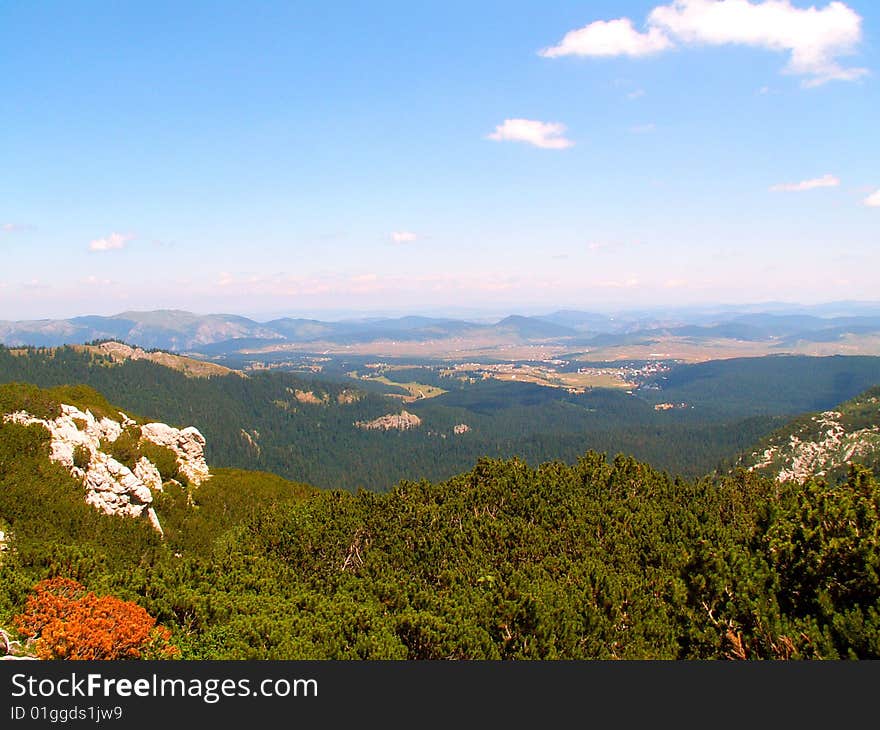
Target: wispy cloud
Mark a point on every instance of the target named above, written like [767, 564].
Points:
[404, 237]
[13, 228]
[609, 38]
[675, 284]
[873, 200]
[363, 283]
[95, 281]
[643, 128]
[637, 94]
[547, 135]
[611, 245]
[826, 181]
[114, 241]
[629, 283]
[369, 283]
[814, 38]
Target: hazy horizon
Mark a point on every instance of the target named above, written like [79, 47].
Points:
[487, 314]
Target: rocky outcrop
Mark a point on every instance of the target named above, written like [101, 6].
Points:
[819, 447]
[77, 438]
[251, 441]
[308, 396]
[11, 650]
[188, 445]
[114, 489]
[400, 421]
[346, 397]
[147, 472]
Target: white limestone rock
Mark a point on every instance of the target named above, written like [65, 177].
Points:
[147, 472]
[111, 486]
[402, 421]
[188, 445]
[805, 455]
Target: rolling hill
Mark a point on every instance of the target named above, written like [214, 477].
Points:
[214, 335]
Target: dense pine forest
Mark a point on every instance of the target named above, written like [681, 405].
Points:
[258, 421]
[603, 558]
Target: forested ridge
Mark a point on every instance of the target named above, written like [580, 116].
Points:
[602, 558]
[260, 422]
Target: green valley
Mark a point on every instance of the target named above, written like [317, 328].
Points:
[267, 421]
[597, 559]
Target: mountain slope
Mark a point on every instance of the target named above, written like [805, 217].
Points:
[166, 329]
[776, 384]
[822, 444]
[596, 560]
[533, 328]
[122, 464]
[120, 352]
[100, 461]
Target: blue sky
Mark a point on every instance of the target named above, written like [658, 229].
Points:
[299, 158]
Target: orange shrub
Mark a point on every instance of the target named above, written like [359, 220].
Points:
[67, 622]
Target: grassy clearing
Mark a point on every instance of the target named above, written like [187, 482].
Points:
[417, 391]
[592, 378]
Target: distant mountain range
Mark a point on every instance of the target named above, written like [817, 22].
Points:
[183, 331]
[217, 334]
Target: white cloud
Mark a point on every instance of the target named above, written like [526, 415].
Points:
[826, 181]
[814, 38]
[403, 237]
[547, 135]
[637, 94]
[112, 242]
[873, 200]
[609, 38]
